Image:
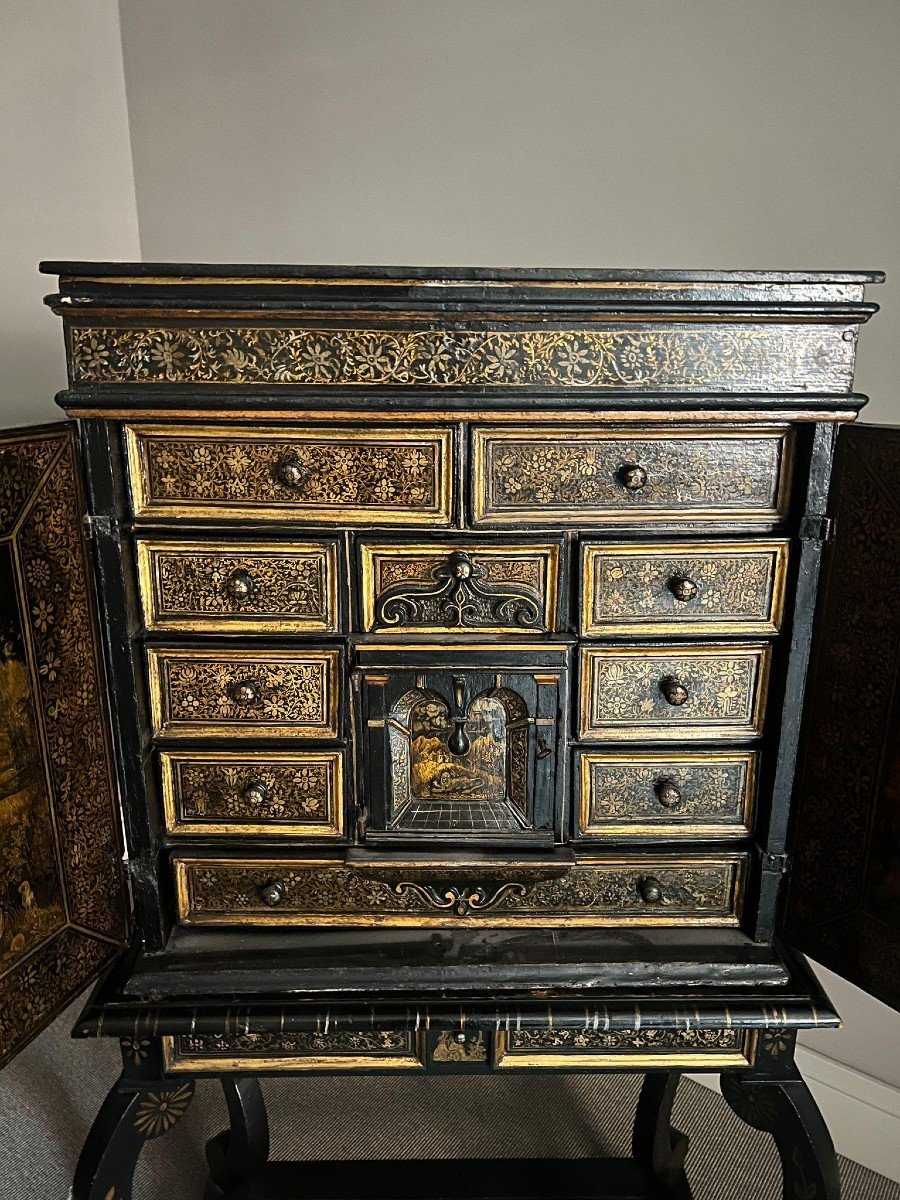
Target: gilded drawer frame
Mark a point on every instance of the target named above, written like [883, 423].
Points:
[648, 731]
[144, 506]
[174, 1060]
[434, 915]
[370, 552]
[628, 513]
[149, 550]
[637, 626]
[653, 829]
[163, 726]
[187, 827]
[507, 1058]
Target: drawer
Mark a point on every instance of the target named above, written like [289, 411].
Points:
[316, 474]
[628, 1049]
[673, 692]
[650, 794]
[243, 694]
[658, 588]
[231, 587]
[653, 890]
[577, 477]
[267, 793]
[336, 1050]
[464, 587]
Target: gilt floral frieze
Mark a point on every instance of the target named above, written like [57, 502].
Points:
[743, 357]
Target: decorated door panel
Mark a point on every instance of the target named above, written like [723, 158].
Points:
[844, 904]
[62, 899]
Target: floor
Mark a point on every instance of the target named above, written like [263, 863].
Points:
[51, 1092]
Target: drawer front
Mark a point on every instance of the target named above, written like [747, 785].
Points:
[222, 792]
[490, 588]
[239, 588]
[726, 587]
[319, 474]
[577, 477]
[673, 693]
[659, 890]
[336, 1050]
[627, 1049]
[694, 794]
[241, 694]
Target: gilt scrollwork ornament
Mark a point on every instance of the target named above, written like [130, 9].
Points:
[460, 595]
[461, 900]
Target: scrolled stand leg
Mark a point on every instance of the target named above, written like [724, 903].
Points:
[237, 1156]
[128, 1118]
[655, 1145]
[785, 1108]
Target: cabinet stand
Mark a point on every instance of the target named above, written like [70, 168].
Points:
[239, 1168]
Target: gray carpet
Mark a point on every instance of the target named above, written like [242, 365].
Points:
[51, 1092]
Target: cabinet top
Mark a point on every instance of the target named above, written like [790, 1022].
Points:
[474, 334]
[337, 273]
[137, 284]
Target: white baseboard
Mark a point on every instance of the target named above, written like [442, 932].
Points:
[863, 1113]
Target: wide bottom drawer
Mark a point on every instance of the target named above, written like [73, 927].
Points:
[646, 890]
[556, 1049]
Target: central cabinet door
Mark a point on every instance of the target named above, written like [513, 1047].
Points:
[461, 745]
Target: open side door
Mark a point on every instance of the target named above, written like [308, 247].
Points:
[63, 904]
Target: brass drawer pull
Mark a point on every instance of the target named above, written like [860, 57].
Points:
[256, 793]
[245, 691]
[239, 586]
[632, 476]
[290, 472]
[682, 589]
[650, 890]
[667, 793]
[674, 691]
[272, 893]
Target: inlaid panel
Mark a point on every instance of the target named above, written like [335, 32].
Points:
[465, 587]
[658, 890]
[318, 1050]
[626, 1049]
[581, 477]
[297, 794]
[241, 693]
[654, 794]
[319, 473]
[614, 355]
[252, 587]
[677, 692]
[658, 588]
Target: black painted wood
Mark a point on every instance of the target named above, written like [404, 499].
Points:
[129, 1117]
[238, 1156]
[458, 1179]
[787, 1110]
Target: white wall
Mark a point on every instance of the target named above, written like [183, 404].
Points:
[67, 189]
[589, 132]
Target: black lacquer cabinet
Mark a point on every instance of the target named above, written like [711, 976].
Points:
[443, 638]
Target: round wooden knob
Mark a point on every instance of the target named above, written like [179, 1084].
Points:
[632, 476]
[683, 589]
[650, 890]
[245, 692]
[674, 691]
[272, 893]
[667, 793]
[256, 793]
[239, 586]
